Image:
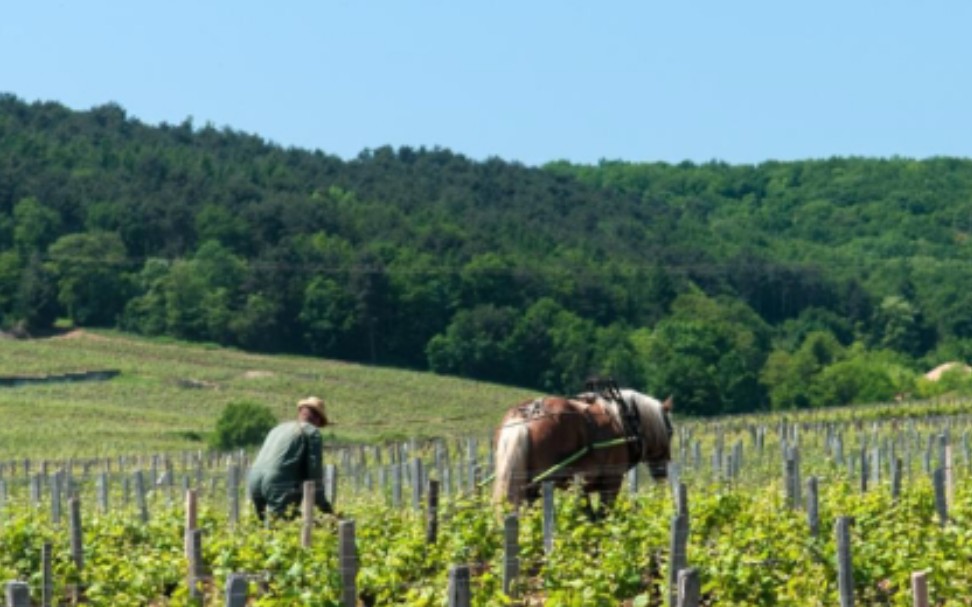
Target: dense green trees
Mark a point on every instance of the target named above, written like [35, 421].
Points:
[731, 287]
[91, 280]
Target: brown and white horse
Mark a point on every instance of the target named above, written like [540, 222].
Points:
[595, 437]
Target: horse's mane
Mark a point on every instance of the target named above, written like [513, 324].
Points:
[651, 412]
[652, 415]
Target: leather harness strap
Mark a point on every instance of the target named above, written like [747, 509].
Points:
[631, 421]
[630, 418]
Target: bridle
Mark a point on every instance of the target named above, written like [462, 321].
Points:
[659, 468]
[631, 424]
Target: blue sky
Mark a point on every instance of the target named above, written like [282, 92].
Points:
[529, 81]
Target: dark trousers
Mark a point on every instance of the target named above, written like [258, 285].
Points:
[287, 508]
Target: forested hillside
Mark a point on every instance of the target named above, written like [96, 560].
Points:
[733, 287]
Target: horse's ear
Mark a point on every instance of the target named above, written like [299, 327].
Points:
[669, 402]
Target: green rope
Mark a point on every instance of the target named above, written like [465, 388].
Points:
[553, 469]
[576, 456]
[570, 460]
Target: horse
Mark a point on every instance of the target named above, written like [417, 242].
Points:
[595, 437]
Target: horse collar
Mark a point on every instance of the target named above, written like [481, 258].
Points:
[533, 410]
[632, 422]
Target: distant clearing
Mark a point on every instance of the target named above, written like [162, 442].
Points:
[168, 391]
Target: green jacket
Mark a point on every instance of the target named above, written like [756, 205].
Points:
[290, 455]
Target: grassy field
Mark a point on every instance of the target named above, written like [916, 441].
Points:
[169, 395]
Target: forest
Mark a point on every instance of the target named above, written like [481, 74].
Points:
[782, 285]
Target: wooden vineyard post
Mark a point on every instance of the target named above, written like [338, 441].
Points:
[941, 505]
[441, 461]
[77, 549]
[689, 589]
[674, 475]
[35, 490]
[839, 449]
[677, 555]
[845, 573]
[348, 562]
[307, 511]
[199, 472]
[191, 518]
[942, 441]
[966, 448]
[875, 468]
[233, 493]
[737, 459]
[168, 478]
[896, 480]
[681, 501]
[154, 474]
[330, 484]
[47, 575]
[103, 489]
[813, 510]
[864, 469]
[236, 590]
[432, 513]
[471, 449]
[511, 552]
[490, 458]
[794, 452]
[126, 492]
[17, 594]
[396, 485]
[949, 479]
[55, 500]
[792, 476]
[919, 589]
[417, 474]
[548, 517]
[140, 496]
[195, 567]
[383, 479]
[459, 591]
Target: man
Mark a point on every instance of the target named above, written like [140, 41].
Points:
[290, 455]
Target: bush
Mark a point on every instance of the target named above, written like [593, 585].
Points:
[856, 380]
[242, 424]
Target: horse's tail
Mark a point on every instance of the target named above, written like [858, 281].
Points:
[511, 462]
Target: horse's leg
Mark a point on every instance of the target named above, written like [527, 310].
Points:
[532, 493]
[610, 488]
[607, 489]
[591, 486]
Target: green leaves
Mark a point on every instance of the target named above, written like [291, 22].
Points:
[242, 424]
[748, 548]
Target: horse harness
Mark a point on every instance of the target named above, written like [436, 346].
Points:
[630, 422]
[532, 410]
[630, 417]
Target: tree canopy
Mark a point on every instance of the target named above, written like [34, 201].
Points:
[783, 284]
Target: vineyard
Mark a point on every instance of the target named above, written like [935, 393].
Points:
[866, 506]
[109, 497]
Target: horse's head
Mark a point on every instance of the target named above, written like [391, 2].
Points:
[656, 431]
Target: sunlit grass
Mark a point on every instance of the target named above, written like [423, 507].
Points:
[168, 393]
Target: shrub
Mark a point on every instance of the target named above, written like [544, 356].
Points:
[242, 424]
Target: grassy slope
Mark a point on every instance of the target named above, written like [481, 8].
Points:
[150, 407]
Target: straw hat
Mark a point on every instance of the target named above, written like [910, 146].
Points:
[315, 404]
